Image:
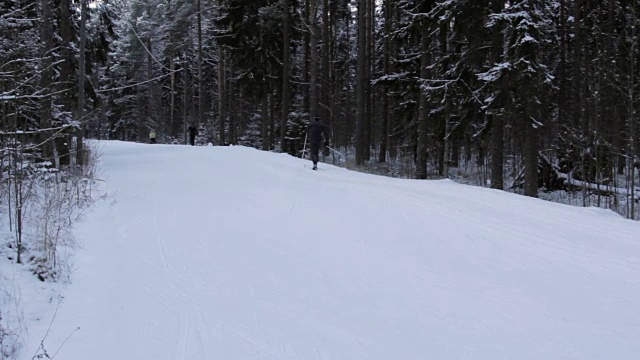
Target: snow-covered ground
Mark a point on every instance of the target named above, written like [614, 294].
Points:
[232, 253]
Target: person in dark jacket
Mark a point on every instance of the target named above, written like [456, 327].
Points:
[316, 130]
[193, 132]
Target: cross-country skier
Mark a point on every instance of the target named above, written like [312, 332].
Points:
[152, 137]
[315, 131]
[193, 132]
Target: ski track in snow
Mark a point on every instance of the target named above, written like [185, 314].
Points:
[232, 253]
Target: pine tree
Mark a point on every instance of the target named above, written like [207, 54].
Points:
[528, 29]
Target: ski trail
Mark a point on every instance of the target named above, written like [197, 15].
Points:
[185, 340]
[163, 252]
[232, 253]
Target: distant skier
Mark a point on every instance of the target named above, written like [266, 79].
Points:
[152, 137]
[316, 130]
[193, 132]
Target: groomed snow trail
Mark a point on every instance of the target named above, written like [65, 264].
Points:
[232, 253]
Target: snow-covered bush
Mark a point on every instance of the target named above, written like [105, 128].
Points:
[39, 204]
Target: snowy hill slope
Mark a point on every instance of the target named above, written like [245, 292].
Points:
[232, 253]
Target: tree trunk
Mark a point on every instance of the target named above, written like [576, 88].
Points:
[185, 99]
[562, 71]
[350, 122]
[66, 25]
[231, 105]
[326, 107]
[285, 76]
[497, 151]
[221, 94]
[384, 135]
[80, 156]
[394, 121]
[444, 33]
[46, 32]
[632, 84]
[368, 122]
[362, 52]
[423, 112]
[313, 63]
[272, 121]
[496, 117]
[172, 110]
[264, 122]
[577, 66]
[95, 79]
[447, 145]
[531, 160]
[149, 77]
[200, 75]
[618, 160]
[305, 57]
[62, 146]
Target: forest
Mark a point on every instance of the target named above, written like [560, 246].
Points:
[536, 97]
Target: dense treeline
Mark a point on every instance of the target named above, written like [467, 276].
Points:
[531, 94]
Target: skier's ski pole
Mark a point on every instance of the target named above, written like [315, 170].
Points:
[304, 150]
[336, 151]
